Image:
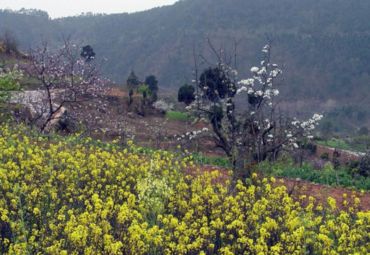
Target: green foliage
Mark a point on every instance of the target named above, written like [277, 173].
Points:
[153, 191]
[336, 143]
[328, 176]
[324, 156]
[8, 83]
[186, 94]
[132, 84]
[360, 143]
[144, 90]
[328, 171]
[202, 159]
[152, 83]
[364, 166]
[176, 115]
[132, 81]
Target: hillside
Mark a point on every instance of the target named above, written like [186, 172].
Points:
[324, 46]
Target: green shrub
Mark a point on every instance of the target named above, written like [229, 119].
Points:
[329, 175]
[311, 147]
[199, 158]
[8, 83]
[186, 94]
[364, 166]
[175, 115]
[324, 156]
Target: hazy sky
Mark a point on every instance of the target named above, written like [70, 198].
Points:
[63, 8]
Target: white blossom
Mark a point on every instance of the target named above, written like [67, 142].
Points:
[254, 69]
[247, 82]
[241, 89]
[266, 48]
[259, 93]
[274, 73]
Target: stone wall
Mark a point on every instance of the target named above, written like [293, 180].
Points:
[343, 156]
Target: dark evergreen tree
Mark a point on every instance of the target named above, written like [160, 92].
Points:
[216, 84]
[87, 53]
[133, 81]
[364, 165]
[152, 83]
[133, 84]
[186, 94]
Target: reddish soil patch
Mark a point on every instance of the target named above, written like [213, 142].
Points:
[118, 119]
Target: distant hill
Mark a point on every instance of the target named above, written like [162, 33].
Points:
[323, 45]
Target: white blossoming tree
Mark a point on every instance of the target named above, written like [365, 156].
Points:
[254, 130]
[65, 79]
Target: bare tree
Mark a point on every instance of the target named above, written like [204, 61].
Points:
[65, 79]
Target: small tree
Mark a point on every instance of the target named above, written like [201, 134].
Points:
[364, 165]
[9, 43]
[186, 94]
[145, 93]
[9, 82]
[132, 85]
[152, 83]
[253, 131]
[88, 53]
[144, 90]
[65, 79]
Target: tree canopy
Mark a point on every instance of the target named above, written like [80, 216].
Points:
[87, 53]
[186, 94]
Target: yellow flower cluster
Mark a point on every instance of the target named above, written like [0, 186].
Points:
[79, 196]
